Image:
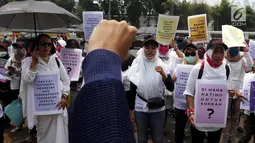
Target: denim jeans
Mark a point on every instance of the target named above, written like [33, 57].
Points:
[153, 121]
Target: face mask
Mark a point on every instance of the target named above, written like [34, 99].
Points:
[58, 48]
[179, 44]
[190, 59]
[163, 50]
[3, 54]
[233, 52]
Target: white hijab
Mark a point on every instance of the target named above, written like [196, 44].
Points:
[211, 72]
[142, 73]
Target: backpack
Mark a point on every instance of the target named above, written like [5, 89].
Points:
[201, 70]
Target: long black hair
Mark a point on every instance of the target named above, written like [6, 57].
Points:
[37, 43]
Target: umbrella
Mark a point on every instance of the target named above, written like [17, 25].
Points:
[37, 15]
[53, 30]
[147, 30]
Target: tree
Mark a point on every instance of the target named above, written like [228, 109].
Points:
[86, 5]
[134, 12]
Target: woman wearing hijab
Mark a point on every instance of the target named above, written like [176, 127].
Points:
[201, 52]
[13, 67]
[60, 44]
[214, 68]
[50, 128]
[170, 55]
[148, 74]
[239, 63]
[191, 58]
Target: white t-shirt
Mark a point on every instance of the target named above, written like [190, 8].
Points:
[190, 91]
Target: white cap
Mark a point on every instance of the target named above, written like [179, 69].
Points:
[62, 42]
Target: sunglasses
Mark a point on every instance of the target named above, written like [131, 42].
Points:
[46, 44]
[190, 54]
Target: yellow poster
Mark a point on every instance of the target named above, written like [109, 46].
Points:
[232, 36]
[198, 28]
[166, 29]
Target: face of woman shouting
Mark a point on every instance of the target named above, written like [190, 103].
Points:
[45, 46]
[150, 50]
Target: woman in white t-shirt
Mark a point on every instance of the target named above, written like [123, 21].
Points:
[214, 68]
[239, 63]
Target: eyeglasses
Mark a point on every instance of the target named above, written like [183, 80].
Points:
[190, 54]
[46, 44]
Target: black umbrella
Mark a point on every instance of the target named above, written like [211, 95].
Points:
[37, 15]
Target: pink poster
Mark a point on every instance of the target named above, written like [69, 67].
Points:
[211, 102]
[71, 59]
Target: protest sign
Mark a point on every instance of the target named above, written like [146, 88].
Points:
[90, 21]
[46, 93]
[182, 74]
[252, 48]
[211, 103]
[252, 96]
[71, 59]
[166, 29]
[248, 91]
[197, 25]
[232, 36]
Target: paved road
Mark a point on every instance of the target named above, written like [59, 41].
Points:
[19, 137]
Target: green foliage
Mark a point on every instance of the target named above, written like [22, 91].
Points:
[132, 10]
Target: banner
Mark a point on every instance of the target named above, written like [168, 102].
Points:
[167, 26]
[197, 26]
[71, 59]
[248, 92]
[232, 36]
[211, 103]
[90, 21]
[47, 93]
[182, 74]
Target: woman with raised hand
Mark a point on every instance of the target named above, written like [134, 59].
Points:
[50, 128]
